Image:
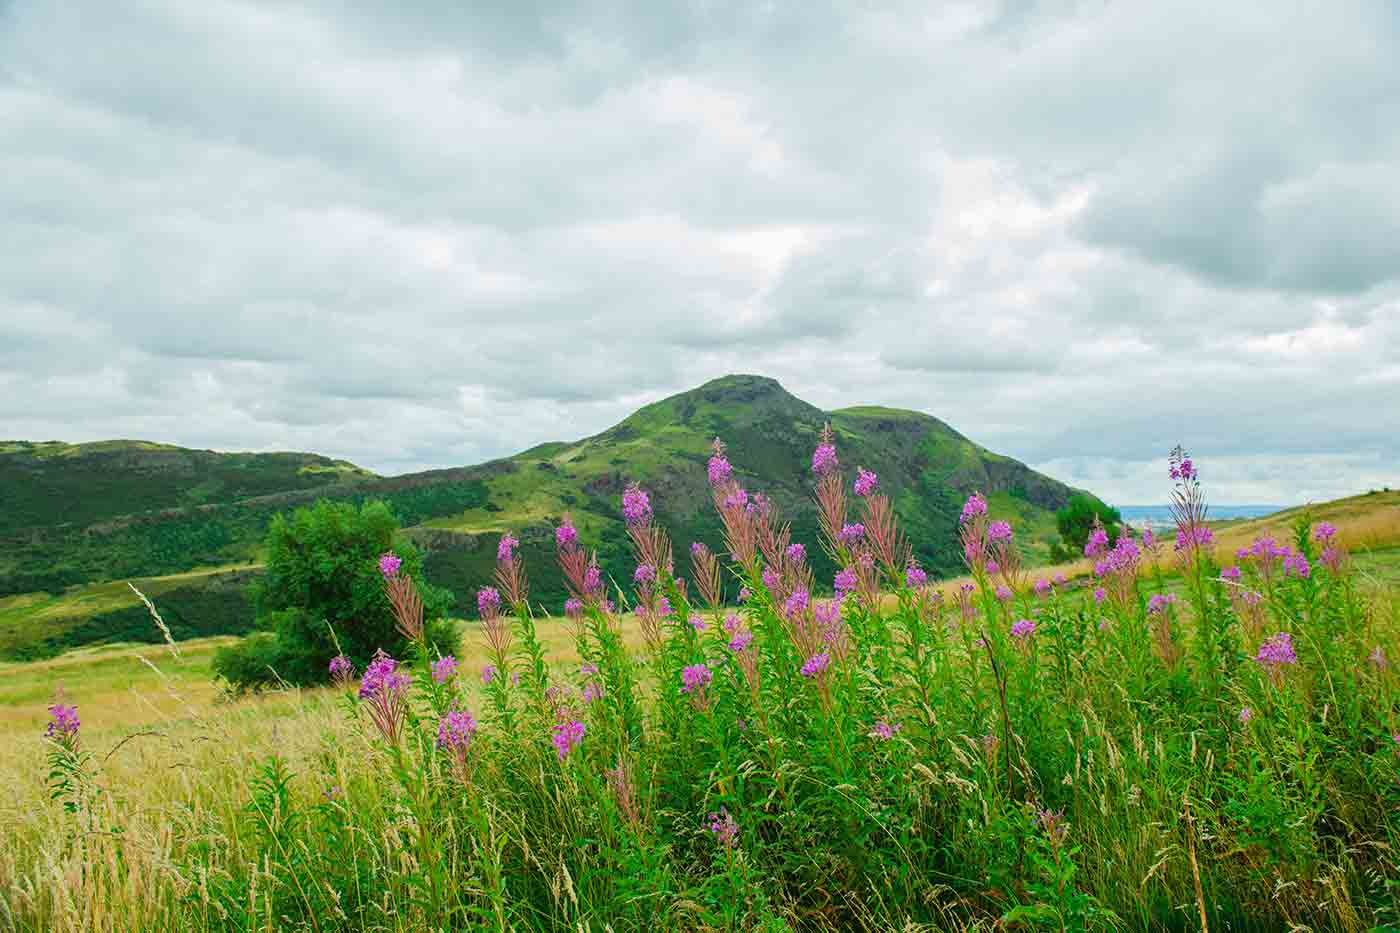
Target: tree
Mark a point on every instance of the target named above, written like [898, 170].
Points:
[323, 573]
[1076, 520]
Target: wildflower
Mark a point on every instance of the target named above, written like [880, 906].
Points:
[645, 573]
[697, 623]
[695, 677]
[455, 730]
[444, 669]
[1246, 714]
[383, 687]
[1296, 565]
[636, 506]
[573, 607]
[882, 730]
[816, 664]
[592, 691]
[771, 578]
[993, 567]
[1059, 579]
[865, 483]
[1197, 536]
[796, 603]
[381, 675]
[505, 548]
[342, 670]
[824, 459]
[1331, 558]
[974, 507]
[567, 736]
[488, 602]
[389, 564]
[1149, 540]
[1230, 573]
[845, 581]
[488, 673]
[736, 499]
[566, 536]
[1159, 602]
[1377, 659]
[1100, 594]
[663, 606]
[827, 612]
[1097, 544]
[796, 553]
[1181, 467]
[851, 533]
[515, 678]
[1003, 592]
[1277, 651]
[1053, 822]
[914, 576]
[744, 594]
[723, 827]
[63, 723]
[1023, 629]
[999, 531]
[1323, 532]
[1042, 588]
[720, 471]
[740, 640]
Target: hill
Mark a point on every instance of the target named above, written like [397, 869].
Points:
[199, 509]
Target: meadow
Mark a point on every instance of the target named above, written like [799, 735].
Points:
[1198, 733]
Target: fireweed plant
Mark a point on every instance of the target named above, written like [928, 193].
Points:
[1177, 741]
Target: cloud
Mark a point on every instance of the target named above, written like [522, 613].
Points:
[426, 236]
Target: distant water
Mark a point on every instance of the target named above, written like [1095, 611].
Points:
[1160, 516]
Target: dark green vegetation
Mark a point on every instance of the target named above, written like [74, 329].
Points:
[322, 574]
[120, 510]
[1076, 520]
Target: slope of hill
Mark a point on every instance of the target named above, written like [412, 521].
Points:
[194, 519]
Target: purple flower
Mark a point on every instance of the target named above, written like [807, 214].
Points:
[645, 573]
[1042, 588]
[851, 533]
[1059, 579]
[1198, 536]
[663, 606]
[389, 564]
[1323, 532]
[882, 730]
[744, 594]
[1277, 651]
[771, 579]
[1097, 545]
[845, 581]
[592, 691]
[737, 499]
[488, 602]
[993, 566]
[974, 507]
[573, 607]
[740, 640]
[999, 531]
[1003, 592]
[796, 603]
[1100, 594]
[382, 677]
[592, 579]
[698, 549]
[567, 736]
[827, 612]
[865, 483]
[914, 576]
[455, 731]
[342, 670]
[1023, 629]
[515, 678]
[566, 536]
[796, 553]
[720, 471]
[824, 459]
[731, 623]
[1246, 714]
[816, 664]
[63, 722]
[488, 673]
[1148, 538]
[723, 827]
[695, 677]
[505, 548]
[444, 669]
[1159, 602]
[1230, 573]
[636, 506]
[1296, 565]
[1378, 660]
[697, 623]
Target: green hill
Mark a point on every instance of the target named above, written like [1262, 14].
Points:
[192, 509]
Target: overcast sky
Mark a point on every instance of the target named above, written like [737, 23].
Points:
[1078, 232]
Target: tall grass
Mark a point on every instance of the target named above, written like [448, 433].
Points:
[1175, 745]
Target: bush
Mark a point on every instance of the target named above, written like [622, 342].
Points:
[1076, 520]
[323, 595]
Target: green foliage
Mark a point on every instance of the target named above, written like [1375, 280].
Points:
[1076, 520]
[323, 595]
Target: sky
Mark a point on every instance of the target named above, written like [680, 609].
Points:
[1079, 232]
